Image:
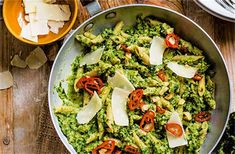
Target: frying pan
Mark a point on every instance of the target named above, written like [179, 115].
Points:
[184, 27]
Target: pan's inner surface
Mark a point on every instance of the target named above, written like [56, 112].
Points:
[184, 27]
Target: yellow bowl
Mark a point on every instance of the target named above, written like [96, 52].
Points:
[12, 9]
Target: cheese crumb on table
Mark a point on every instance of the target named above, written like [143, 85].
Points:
[36, 58]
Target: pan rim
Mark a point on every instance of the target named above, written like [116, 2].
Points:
[50, 85]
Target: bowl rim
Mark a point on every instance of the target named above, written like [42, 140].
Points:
[11, 30]
[51, 83]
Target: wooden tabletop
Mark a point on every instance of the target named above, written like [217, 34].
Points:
[20, 105]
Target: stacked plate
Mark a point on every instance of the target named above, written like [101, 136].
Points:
[223, 9]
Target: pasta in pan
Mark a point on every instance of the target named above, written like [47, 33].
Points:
[139, 89]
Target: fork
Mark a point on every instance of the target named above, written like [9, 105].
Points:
[227, 4]
[230, 3]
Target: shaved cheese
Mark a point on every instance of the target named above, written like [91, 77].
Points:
[172, 140]
[21, 21]
[92, 57]
[119, 101]
[39, 27]
[36, 58]
[26, 17]
[60, 12]
[58, 24]
[157, 49]
[18, 62]
[54, 30]
[42, 14]
[30, 5]
[49, 1]
[32, 17]
[119, 80]
[182, 70]
[90, 110]
[6, 80]
[26, 33]
[55, 25]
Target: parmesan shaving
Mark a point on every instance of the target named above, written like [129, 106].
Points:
[30, 6]
[40, 15]
[119, 101]
[18, 62]
[119, 80]
[55, 26]
[90, 110]
[92, 57]
[172, 140]
[60, 12]
[182, 70]
[36, 58]
[6, 80]
[32, 17]
[21, 21]
[26, 17]
[39, 27]
[26, 33]
[49, 1]
[157, 49]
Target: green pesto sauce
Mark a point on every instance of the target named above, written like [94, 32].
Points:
[84, 138]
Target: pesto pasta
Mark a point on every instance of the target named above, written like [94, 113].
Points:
[152, 74]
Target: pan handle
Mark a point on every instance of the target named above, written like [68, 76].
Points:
[92, 6]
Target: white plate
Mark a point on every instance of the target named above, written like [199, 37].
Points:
[212, 7]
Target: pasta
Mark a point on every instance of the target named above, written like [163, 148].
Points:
[126, 50]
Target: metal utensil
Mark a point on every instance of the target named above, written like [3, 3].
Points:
[230, 3]
[226, 6]
[182, 26]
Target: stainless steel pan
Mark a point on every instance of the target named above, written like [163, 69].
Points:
[185, 27]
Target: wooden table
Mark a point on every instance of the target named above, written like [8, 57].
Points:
[20, 105]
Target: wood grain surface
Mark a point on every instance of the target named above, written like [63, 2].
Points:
[20, 106]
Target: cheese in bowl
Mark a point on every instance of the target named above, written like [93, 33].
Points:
[39, 21]
[138, 89]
